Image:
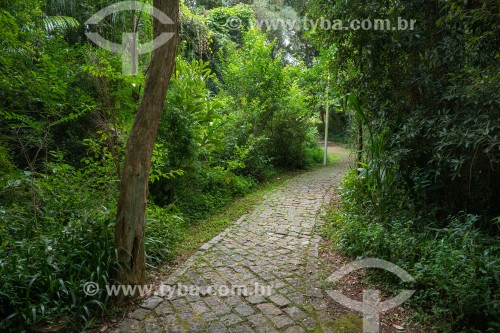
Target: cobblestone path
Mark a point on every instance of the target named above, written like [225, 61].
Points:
[275, 248]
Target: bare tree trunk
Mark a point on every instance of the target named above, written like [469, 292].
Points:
[131, 214]
[360, 142]
[360, 125]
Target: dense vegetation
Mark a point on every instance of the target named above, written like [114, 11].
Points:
[421, 107]
[427, 111]
[235, 115]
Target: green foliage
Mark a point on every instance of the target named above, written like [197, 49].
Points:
[66, 111]
[196, 35]
[427, 115]
[426, 111]
[111, 27]
[164, 230]
[6, 165]
[60, 23]
[276, 11]
[456, 268]
[219, 18]
[379, 173]
[45, 262]
[159, 165]
[208, 190]
[273, 106]
[56, 215]
[209, 4]
[42, 100]
[191, 134]
[436, 84]
[191, 122]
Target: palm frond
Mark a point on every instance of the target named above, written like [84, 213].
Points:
[62, 23]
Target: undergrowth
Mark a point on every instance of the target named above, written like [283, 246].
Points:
[456, 266]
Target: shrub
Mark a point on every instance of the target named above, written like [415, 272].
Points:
[164, 229]
[456, 267]
[273, 114]
[200, 194]
[44, 262]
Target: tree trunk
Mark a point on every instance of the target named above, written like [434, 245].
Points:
[360, 142]
[131, 214]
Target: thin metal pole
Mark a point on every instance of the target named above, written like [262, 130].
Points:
[325, 158]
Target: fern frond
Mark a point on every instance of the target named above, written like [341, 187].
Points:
[53, 23]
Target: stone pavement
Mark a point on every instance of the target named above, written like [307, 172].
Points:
[260, 275]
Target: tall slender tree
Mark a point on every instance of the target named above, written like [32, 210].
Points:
[131, 214]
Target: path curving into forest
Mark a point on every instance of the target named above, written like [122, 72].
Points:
[271, 254]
